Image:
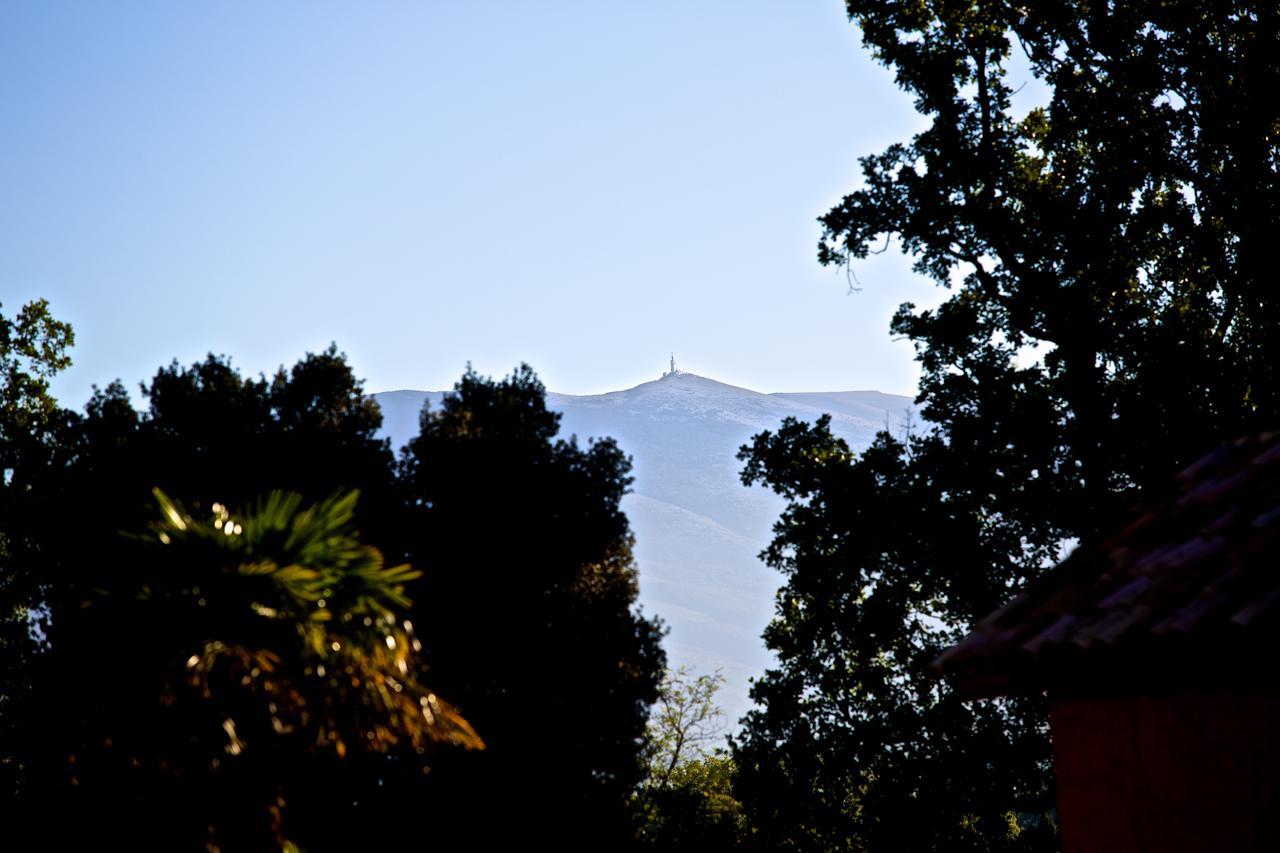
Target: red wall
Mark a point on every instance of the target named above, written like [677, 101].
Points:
[1168, 772]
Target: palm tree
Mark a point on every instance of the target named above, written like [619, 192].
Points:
[239, 663]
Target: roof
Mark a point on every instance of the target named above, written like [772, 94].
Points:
[1188, 587]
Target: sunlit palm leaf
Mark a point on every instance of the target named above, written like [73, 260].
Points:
[350, 679]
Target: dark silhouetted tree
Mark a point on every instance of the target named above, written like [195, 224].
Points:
[33, 348]
[216, 674]
[183, 689]
[528, 612]
[207, 435]
[1111, 314]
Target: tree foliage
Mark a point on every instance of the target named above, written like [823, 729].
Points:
[252, 671]
[261, 648]
[696, 809]
[33, 348]
[686, 801]
[1109, 315]
[528, 612]
[206, 435]
[685, 721]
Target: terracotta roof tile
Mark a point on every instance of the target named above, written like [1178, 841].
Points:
[1198, 566]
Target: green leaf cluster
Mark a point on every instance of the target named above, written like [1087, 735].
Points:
[687, 802]
[33, 348]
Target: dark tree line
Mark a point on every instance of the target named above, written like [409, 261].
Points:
[480, 675]
[1111, 314]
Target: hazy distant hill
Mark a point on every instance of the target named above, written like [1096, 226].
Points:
[698, 529]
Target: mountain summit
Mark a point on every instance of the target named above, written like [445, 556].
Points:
[698, 530]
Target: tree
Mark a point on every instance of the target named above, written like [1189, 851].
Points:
[256, 650]
[1111, 315]
[206, 435]
[541, 640]
[33, 348]
[686, 802]
[527, 611]
[685, 719]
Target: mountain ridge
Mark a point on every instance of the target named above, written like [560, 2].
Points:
[699, 531]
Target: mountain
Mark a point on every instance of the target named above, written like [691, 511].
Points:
[699, 531]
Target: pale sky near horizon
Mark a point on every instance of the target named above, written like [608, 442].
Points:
[583, 186]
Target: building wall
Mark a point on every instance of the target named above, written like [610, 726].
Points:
[1186, 771]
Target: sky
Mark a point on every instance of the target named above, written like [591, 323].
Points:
[586, 187]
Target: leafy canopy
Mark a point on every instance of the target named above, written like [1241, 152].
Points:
[686, 802]
[209, 434]
[528, 610]
[685, 722]
[263, 644]
[1110, 315]
[33, 348]
[285, 566]
[250, 671]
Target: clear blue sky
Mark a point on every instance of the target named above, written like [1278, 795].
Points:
[585, 186]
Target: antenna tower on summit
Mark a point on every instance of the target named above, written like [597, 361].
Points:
[673, 364]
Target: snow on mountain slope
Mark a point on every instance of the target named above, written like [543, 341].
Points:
[698, 530]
